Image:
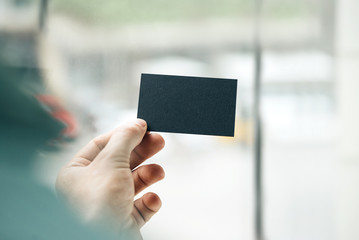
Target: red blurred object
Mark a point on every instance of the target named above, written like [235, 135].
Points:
[61, 114]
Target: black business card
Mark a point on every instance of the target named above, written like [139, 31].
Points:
[181, 104]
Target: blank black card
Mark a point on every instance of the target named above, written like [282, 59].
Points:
[181, 104]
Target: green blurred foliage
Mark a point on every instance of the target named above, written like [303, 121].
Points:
[138, 11]
[284, 9]
[125, 11]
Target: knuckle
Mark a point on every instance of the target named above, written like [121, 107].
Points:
[129, 131]
[98, 143]
[142, 181]
[133, 129]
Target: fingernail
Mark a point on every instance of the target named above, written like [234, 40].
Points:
[141, 122]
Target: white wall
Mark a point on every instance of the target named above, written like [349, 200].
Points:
[347, 50]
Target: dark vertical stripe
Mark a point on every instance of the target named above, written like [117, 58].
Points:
[258, 217]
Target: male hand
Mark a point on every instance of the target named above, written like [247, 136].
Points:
[101, 181]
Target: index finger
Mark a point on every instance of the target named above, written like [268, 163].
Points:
[89, 152]
[151, 144]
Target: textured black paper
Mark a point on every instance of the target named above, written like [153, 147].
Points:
[181, 104]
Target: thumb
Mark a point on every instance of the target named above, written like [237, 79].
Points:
[122, 142]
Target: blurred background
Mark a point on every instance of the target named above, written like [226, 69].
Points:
[91, 54]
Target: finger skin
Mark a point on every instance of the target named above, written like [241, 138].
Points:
[147, 175]
[146, 206]
[116, 153]
[100, 186]
[151, 144]
[96, 145]
[88, 153]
